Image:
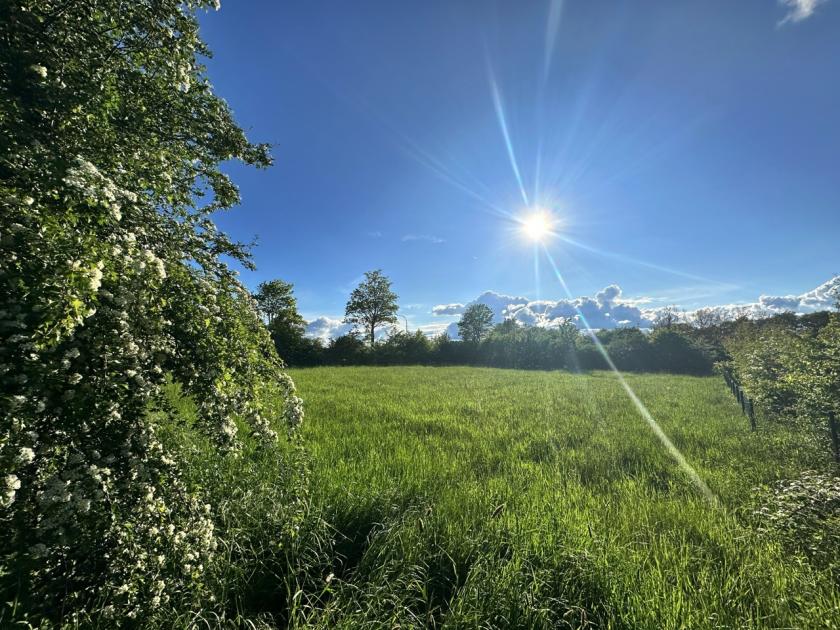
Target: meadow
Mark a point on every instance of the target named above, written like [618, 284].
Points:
[479, 498]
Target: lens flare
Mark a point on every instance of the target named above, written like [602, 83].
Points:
[680, 459]
[538, 225]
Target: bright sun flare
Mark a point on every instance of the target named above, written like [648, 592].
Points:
[538, 225]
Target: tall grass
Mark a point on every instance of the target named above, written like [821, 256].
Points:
[480, 498]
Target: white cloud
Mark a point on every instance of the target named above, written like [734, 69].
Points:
[429, 238]
[605, 310]
[326, 328]
[798, 10]
[608, 308]
[821, 298]
[448, 309]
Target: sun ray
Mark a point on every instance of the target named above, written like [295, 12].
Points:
[503, 126]
[643, 263]
[640, 406]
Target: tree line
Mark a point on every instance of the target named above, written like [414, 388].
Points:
[670, 347]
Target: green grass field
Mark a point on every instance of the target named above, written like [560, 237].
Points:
[479, 498]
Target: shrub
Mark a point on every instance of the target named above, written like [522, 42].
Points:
[675, 352]
[111, 280]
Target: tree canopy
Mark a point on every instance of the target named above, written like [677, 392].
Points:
[278, 305]
[476, 323]
[372, 304]
[276, 299]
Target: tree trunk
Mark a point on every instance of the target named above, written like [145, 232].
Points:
[372, 332]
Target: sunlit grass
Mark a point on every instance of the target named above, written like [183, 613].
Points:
[466, 497]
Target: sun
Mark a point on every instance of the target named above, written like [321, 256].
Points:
[538, 225]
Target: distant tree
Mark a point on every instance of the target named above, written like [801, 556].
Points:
[706, 318]
[476, 323]
[402, 348]
[346, 350]
[629, 348]
[372, 304]
[306, 352]
[275, 298]
[508, 326]
[667, 317]
[674, 352]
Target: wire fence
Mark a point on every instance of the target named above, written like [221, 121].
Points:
[748, 408]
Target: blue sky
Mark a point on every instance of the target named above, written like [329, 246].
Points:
[691, 150]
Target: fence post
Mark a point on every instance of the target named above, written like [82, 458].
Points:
[835, 435]
[751, 413]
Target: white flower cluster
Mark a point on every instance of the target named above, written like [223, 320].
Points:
[184, 77]
[86, 178]
[12, 485]
[294, 404]
[40, 70]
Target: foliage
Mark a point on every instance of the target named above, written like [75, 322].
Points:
[476, 323]
[276, 300]
[790, 366]
[278, 305]
[517, 346]
[112, 278]
[677, 353]
[346, 350]
[404, 348]
[629, 348]
[512, 345]
[372, 304]
[804, 513]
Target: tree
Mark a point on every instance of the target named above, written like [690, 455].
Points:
[278, 305]
[704, 318]
[476, 323]
[372, 304]
[113, 285]
[275, 298]
[347, 350]
[667, 317]
[674, 352]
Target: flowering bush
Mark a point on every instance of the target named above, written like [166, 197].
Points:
[111, 282]
[805, 514]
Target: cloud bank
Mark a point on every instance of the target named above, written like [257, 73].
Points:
[608, 308]
[605, 310]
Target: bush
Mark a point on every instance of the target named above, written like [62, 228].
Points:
[674, 352]
[402, 348]
[112, 282]
[347, 350]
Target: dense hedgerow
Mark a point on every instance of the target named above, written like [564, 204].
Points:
[112, 282]
[790, 367]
